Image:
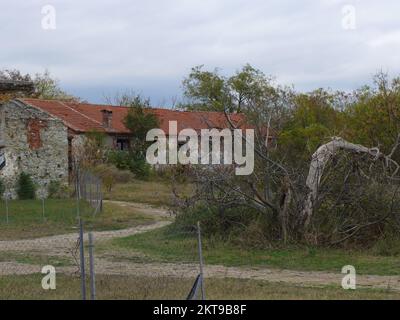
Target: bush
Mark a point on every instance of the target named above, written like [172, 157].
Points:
[25, 187]
[140, 167]
[120, 159]
[388, 245]
[135, 162]
[239, 225]
[110, 174]
[56, 190]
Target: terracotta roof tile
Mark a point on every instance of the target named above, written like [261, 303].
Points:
[84, 117]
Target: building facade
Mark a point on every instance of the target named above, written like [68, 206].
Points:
[38, 137]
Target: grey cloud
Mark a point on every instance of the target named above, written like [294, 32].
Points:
[151, 45]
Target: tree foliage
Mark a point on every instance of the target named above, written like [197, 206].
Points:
[139, 120]
[211, 91]
[356, 200]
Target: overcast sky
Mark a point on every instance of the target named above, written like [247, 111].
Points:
[99, 47]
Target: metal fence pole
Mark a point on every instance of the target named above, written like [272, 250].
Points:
[77, 191]
[97, 193]
[82, 260]
[203, 293]
[90, 190]
[92, 273]
[43, 209]
[6, 199]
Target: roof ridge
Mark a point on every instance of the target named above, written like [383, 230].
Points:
[82, 114]
[120, 106]
[23, 101]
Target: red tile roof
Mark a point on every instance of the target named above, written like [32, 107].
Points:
[84, 117]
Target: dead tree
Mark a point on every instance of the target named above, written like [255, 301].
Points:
[321, 157]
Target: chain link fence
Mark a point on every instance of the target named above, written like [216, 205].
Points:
[72, 248]
[90, 189]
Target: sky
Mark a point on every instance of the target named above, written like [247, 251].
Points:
[98, 48]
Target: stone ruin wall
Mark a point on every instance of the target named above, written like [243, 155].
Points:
[35, 143]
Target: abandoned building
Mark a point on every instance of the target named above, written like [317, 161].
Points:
[38, 136]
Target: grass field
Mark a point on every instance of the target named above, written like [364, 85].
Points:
[35, 259]
[157, 193]
[160, 245]
[121, 287]
[26, 218]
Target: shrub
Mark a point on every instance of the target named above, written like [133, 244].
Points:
[120, 159]
[388, 245]
[56, 190]
[110, 174]
[140, 167]
[135, 162]
[25, 187]
[240, 225]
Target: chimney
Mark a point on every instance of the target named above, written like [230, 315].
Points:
[107, 117]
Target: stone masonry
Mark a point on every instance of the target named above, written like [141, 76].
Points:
[34, 142]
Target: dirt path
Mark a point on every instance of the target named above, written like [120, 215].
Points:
[143, 208]
[61, 245]
[159, 270]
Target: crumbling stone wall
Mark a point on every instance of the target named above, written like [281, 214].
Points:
[35, 143]
[34, 128]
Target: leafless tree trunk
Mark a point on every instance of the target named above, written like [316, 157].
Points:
[320, 159]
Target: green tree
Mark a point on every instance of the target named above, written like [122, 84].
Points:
[205, 90]
[139, 120]
[373, 117]
[313, 120]
[210, 91]
[46, 87]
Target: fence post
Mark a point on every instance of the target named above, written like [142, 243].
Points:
[90, 189]
[43, 209]
[97, 193]
[203, 293]
[82, 260]
[77, 191]
[92, 274]
[6, 199]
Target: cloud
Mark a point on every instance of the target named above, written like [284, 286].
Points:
[151, 45]
[386, 39]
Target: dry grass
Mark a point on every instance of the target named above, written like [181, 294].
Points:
[35, 258]
[26, 219]
[122, 287]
